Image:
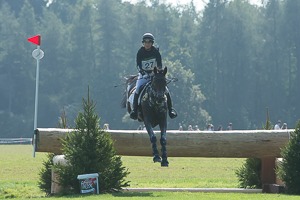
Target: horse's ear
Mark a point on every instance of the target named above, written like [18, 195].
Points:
[165, 70]
[155, 70]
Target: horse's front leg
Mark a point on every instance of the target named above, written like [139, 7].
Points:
[163, 143]
[156, 157]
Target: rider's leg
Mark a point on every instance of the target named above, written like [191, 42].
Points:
[172, 111]
[139, 83]
[134, 113]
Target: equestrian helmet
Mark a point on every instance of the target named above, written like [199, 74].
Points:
[148, 36]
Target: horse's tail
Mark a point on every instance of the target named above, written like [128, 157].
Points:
[128, 80]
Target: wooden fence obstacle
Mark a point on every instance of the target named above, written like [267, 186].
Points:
[55, 186]
[263, 144]
[227, 144]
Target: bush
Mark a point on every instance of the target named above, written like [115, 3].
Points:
[89, 149]
[45, 174]
[289, 169]
[249, 175]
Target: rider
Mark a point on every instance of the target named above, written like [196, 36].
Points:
[147, 58]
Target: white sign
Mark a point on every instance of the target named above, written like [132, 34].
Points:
[37, 54]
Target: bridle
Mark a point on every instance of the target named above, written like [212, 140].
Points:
[157, 89]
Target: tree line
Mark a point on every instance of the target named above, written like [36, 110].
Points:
[233, 60]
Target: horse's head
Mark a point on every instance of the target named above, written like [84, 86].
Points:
[158, 84]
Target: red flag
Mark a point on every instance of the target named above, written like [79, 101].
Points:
[35, 39]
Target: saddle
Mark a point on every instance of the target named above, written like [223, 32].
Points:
[132, 91]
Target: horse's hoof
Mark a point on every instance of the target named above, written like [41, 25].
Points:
[156, 158]
[164, 163]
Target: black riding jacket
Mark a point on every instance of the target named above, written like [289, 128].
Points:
[146, 60]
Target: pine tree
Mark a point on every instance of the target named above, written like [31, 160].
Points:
[89, 149]
[289, 168]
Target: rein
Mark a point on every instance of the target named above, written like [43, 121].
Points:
[157, 97]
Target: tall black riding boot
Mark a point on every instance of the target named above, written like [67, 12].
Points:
[134, 113]
[172, 111]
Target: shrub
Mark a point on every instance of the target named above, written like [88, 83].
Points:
[45, 172]
[44, 182]
[88, 149]
[249, 175]
[289, 169]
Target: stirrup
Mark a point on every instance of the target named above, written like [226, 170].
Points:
[134, 115]
[172, 113]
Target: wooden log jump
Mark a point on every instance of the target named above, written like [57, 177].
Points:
[263, 144]
[225, 144]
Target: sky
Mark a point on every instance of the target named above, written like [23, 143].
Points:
[198, 3]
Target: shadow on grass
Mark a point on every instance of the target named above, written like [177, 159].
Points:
[115, 194]
[133, 194]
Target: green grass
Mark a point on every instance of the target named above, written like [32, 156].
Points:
[19, 177]
[183, 172]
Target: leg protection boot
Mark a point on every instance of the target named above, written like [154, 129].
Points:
[134, 113]
[172, 111]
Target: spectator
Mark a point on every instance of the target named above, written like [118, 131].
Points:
[277, 125]
[212, 127]
[196, 128]
[220, 128]
[208, 127]
[229, 127]
[180, 127]
[140, 127]
[106, 126]
[190, 128]
[284, 126]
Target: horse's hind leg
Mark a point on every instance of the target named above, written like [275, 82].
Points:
[163, 142]
[156, 157]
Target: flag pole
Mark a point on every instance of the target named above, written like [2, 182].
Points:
[36, 90]
[36, 100]
[37, 54]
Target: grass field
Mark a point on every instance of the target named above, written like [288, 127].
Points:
[19, 177]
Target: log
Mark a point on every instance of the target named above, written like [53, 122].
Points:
[225, 144]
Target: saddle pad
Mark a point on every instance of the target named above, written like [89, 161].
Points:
[130, 98]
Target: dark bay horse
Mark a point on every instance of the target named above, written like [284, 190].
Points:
[152, 109]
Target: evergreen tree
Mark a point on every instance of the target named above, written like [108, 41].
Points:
[88, 149]
[288, 169]
[249, 173]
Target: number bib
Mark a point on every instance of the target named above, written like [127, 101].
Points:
[148, 65]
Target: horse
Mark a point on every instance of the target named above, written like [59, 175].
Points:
[152, 109]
